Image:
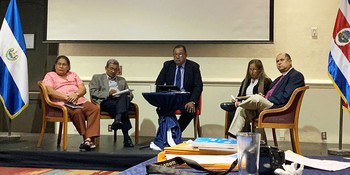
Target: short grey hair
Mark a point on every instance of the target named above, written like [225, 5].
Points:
[112, 61]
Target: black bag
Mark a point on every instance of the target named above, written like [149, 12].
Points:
[271, 158]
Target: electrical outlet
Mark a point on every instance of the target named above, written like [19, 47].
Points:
[109, 128]
[314, 32]
[324, 135]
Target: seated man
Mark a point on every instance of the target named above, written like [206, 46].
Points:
[102, 89]
[278, 95]
[186, 75]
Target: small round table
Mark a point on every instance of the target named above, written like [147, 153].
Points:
[167, 103]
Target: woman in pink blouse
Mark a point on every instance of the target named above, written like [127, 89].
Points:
[65, 86]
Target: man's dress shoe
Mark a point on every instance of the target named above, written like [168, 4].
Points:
[128, 143]
[117, 125]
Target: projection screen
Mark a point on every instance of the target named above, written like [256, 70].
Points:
[160, 20]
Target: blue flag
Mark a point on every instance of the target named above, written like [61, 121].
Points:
[13, 63]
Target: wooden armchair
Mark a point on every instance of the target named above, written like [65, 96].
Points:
[53, 113]
[286, 117]
[133, 114]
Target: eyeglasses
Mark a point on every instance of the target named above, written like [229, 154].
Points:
[179, 54]
[62, 64]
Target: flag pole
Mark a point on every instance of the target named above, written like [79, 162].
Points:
[340, 151]
[9, 136]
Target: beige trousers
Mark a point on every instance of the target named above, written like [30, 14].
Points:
[248, 110]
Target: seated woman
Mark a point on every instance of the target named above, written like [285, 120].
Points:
[64, 86]
[255, 82]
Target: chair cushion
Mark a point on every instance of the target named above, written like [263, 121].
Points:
[53, 112]
[282, 118]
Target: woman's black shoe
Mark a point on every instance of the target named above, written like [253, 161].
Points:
[85, 146]
[228, 106]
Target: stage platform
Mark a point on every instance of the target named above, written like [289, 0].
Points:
[107, 156]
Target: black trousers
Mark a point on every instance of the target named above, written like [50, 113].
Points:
[185, 119]
[118, 106]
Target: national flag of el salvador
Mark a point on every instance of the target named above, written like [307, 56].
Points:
[13, 63]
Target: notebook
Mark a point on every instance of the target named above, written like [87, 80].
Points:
[167, 88]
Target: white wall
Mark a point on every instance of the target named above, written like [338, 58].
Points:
[223, 66]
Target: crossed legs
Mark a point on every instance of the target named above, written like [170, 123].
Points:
[247, 111]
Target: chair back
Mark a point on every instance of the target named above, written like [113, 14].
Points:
[49, 108]
[288, 114]
[199, 108]
[43, 94]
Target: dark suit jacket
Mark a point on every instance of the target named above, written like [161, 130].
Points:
[267, 82]
[285, 88]
[192, 78]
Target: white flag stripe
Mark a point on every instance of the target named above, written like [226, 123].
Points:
[16, 68]
[344, 8]
[341, 61]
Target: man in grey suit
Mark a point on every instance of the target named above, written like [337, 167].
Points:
[102, 90]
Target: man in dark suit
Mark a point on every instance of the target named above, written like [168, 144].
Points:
[186, 75]
[280, 91]
[102, 90]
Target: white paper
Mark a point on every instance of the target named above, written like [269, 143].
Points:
[328, 165]
[122, 92]
[207, 159]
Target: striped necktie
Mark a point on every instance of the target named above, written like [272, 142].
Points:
[268, 94]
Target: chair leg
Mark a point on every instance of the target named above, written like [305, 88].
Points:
[43, 127]
[197, 127]
[226, 125]
[295, 140]
[97, 141]
[65, 136]
[115, 136]
[136, 130]
[274, 137]
[262, 134]
[59, 134]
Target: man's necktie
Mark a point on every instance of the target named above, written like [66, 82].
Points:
[178, 77]
[268, 94]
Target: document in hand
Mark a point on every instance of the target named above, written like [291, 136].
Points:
[240, 98]
[73, 106]
[122, 92]
[215, 143]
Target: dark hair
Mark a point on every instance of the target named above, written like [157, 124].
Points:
[261, 77]
[61, 57]
[180, 46]
[111, 61]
